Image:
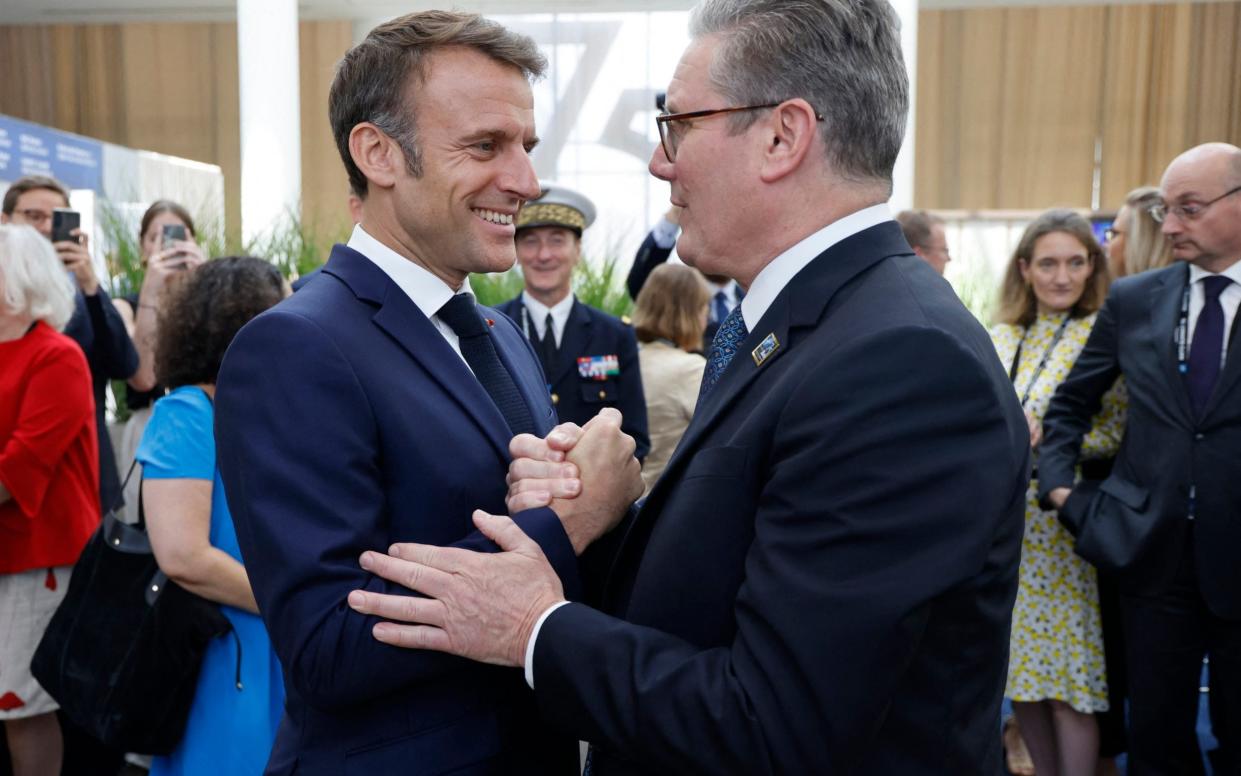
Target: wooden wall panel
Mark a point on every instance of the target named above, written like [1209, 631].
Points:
[1145, 81]
[325, 187]
[170, 88]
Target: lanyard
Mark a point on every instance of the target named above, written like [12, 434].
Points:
[1042, 364]
[1182, 333]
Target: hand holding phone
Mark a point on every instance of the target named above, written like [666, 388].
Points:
[64, 222]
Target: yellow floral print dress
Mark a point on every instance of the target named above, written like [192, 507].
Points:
[1056, 650]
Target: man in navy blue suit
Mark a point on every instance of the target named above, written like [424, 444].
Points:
[590, 358]
[376, 405]
[822, 580]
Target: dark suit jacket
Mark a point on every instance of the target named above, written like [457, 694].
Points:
[97, 327]
[346, 422]
[591, 332]
[823, 578]
[1165, 451]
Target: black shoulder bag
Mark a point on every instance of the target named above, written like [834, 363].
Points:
[121, 654]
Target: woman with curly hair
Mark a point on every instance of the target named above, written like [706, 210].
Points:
[240, 694]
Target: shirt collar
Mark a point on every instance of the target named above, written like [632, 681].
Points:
[538, 310]
[426, 290]
[780, 270]
[1233, 273]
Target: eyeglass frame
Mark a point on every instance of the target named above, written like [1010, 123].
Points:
[663, 119]
[1160, 212]
[1110, 234]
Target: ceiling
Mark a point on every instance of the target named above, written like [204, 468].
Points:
[104, 11]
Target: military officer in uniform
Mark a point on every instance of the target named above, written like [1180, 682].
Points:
[590, 358]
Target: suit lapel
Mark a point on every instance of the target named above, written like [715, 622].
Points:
[1165, 307]
[802, 304]
[400, 319]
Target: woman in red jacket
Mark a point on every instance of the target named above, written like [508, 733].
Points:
[49, 480]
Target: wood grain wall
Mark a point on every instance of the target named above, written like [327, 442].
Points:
[1014, 103]
[172, 88]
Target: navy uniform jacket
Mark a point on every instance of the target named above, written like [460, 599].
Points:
[591, 333]
[98, 329]
[345, 422]
[650, 256]
[1166, 450]
[822, 581]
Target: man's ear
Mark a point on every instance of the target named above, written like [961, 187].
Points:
[790, 132]
[378, 156]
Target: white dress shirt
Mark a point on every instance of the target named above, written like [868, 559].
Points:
[1229, 299]
[536, 316]
[763, 291]
[426, 291]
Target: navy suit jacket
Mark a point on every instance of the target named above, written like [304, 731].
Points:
[822, 580]
[591, 332]
[345, 422]
[1166, 449]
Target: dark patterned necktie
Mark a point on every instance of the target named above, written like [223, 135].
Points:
[462, 316]
[1208, 345]
[731, 334]
[547, 346]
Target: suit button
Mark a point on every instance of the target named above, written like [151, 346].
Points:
[555, 398]
[603, 394]
[1200, 436]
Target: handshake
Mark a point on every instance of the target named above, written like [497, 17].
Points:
[587, 475]
[484, 606]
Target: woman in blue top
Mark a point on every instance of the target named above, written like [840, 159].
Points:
[240, 693]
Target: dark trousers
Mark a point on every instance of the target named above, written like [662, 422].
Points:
[1113, 740]
[1166, 637]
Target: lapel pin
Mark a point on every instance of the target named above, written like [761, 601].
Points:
[765, 348]
[490, 321]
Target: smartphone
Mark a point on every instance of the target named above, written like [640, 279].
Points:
[172, 233]
[64, 221]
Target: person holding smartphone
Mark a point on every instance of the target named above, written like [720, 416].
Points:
[169, 249]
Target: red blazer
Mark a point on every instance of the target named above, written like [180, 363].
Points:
[49, 459]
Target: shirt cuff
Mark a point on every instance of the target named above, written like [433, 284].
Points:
[534, 635]
[665, 233]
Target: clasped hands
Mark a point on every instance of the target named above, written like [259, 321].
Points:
[484, 606]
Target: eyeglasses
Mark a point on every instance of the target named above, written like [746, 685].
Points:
[34, 216]
[670, 133]
[1111, 233]
[1189, 211]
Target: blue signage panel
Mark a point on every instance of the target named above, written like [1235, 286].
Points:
[31, 149]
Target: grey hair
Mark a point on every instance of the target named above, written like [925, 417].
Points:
[35, 281]
[842, 56]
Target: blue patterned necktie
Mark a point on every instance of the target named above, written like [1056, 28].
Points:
[731, 334]
[462, 316]
[1208, 344]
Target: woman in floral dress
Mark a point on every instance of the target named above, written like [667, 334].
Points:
[1055, 283]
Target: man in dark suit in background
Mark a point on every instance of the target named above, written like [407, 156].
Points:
[1175, 489]
[822, 580]
[590, 358]
[377, 404]
[655, 250]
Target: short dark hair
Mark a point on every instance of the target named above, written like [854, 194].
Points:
[166, 206]
[917, 226]
[32, 183]
[372, 81]
[205, 311]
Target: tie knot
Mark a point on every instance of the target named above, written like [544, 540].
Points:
[461, 315]
[1214, 285]
[720, 296]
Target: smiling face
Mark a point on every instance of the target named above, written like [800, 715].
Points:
[713, 171]
[475, 129]
[548, 255]
[1059, 267]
